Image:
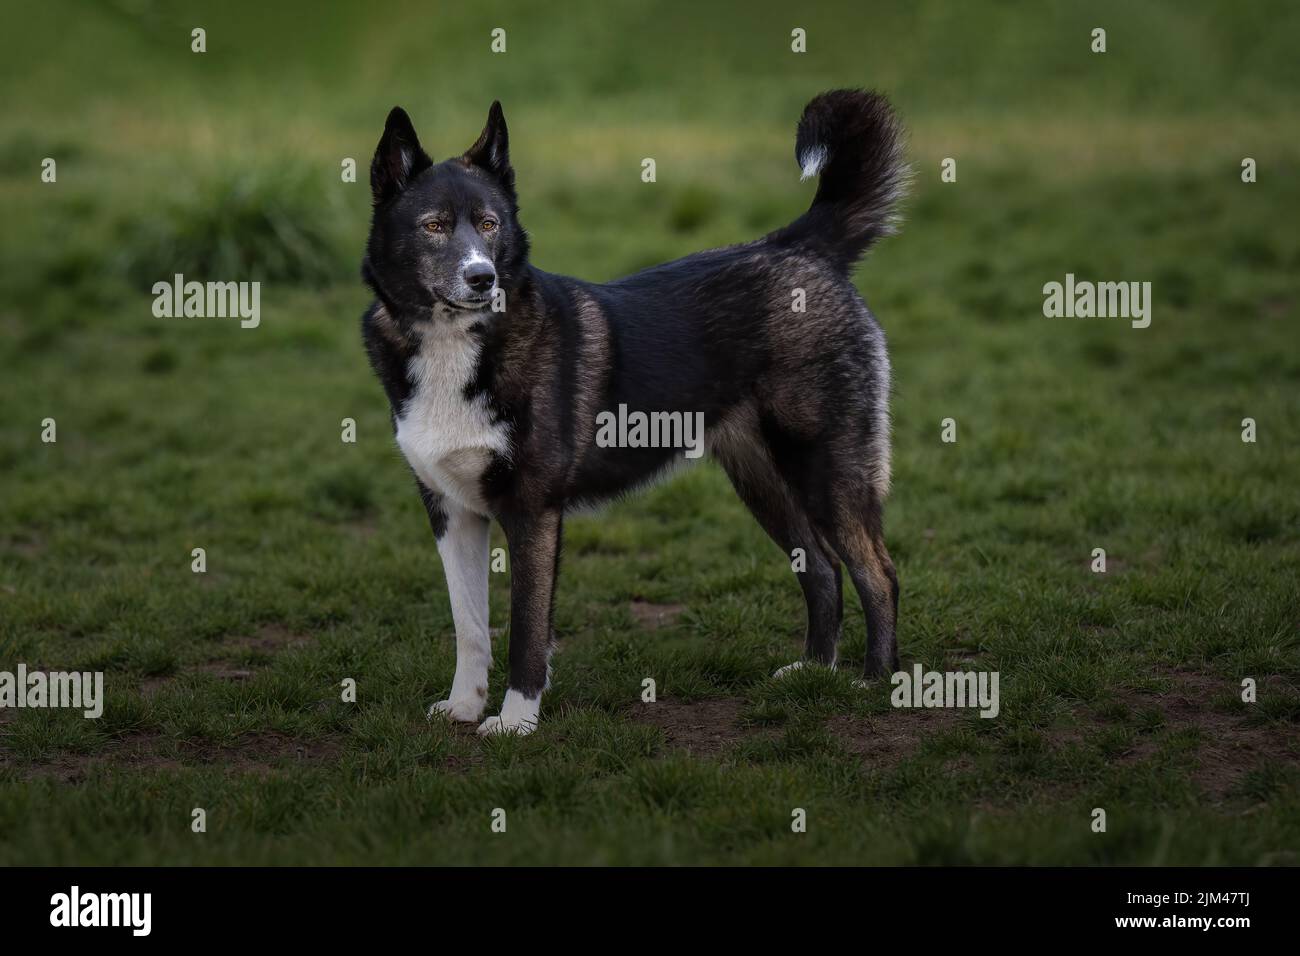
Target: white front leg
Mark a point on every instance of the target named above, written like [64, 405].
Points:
[464, 551]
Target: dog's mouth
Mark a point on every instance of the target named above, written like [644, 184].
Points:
[474, 304]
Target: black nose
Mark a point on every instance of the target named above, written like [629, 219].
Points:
[480, 277]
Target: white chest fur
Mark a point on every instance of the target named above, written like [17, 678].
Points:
[447, 440]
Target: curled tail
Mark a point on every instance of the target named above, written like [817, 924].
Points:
[853, 141]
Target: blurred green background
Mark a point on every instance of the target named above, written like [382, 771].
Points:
[1119, 690]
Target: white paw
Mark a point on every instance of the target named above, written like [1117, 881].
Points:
[466, 710]
[789, 668]
[518, 715]
[500, 725]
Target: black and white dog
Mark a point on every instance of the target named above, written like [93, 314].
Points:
[496, 372]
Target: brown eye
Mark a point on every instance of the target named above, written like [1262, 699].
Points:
[434, 226]
[488, 225]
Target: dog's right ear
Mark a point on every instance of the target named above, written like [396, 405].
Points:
[398, 158]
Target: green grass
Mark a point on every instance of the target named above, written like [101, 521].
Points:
[1119, 691]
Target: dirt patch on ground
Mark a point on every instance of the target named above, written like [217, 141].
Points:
[700, 727]
[259, 752]
[886, 739]
[708, 727]
[269, 639]
[1231, 744]
[654, 616]
[224, 671]
[28, 546]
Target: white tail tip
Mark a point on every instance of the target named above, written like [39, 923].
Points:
[811, 162]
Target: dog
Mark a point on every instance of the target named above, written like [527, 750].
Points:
[496, 373]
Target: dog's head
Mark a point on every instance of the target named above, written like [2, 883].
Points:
[444, 237]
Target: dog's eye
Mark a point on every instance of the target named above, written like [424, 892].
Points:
[433, 226]
[487, 225]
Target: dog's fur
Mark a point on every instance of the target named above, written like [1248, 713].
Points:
[495, 411]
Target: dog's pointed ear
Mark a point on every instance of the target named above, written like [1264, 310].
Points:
[398, 158]
[492, 150]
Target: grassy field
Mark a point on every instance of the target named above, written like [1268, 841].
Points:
[1120, 690]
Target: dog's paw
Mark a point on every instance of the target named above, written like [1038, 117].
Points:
[501, 725]
[789, 669]
[466, 710]
[869, 680]
[518, 715]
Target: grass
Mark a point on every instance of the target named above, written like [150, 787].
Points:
[1119, 691]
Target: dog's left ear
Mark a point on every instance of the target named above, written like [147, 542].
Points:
[492, 150]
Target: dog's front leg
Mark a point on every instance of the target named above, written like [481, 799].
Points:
[534, 541]
[463, 546]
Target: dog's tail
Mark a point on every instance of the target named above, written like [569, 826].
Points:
[853, 141]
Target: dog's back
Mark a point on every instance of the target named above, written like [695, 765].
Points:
[772, 331]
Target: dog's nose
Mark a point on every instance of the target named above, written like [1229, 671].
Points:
[480, 277]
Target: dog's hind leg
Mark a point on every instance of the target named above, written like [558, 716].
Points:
[859, 539]
[767, 496]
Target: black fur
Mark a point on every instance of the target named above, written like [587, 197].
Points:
[796, 403]
[861, 178]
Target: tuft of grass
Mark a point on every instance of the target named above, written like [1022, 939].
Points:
[274, 224]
